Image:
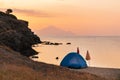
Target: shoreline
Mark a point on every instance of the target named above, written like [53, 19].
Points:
[108, 73]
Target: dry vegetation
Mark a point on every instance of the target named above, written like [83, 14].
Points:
[13, 72]
[16, 67]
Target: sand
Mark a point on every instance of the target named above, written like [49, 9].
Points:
[108, 73]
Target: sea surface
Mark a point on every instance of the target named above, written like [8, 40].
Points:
[104, 51]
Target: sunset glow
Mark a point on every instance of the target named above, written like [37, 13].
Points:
[82, 17]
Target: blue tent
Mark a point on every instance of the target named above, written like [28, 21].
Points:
[73, 60]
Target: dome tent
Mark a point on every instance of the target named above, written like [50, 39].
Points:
[73, 60]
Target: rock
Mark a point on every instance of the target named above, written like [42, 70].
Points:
[15, 34]
[57, 58]
[35, 57]
[51, 43]
[68, 43]
[2, 14]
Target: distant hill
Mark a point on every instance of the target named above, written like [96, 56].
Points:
[54, 31]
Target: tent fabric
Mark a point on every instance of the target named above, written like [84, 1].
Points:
[73, 60]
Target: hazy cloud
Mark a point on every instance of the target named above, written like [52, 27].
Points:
[29, 12]
[3, 9]
[32, 13]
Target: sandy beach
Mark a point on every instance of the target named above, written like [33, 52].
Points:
[108, 73]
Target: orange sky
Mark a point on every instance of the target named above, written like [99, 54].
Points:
[82, 17]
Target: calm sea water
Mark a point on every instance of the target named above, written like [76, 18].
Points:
[104, 51]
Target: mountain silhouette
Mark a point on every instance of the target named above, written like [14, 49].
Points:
[54, 31]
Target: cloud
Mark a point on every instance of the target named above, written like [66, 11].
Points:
[3, 9]
[32, 12]
[29, 12]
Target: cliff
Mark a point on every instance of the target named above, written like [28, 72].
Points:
[15, 34]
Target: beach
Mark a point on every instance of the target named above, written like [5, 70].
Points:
[108, 73]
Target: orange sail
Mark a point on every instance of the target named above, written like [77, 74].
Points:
[88, 56]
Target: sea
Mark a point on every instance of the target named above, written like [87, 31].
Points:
[104, 50]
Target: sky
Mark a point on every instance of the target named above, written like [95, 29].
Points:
[82, 17]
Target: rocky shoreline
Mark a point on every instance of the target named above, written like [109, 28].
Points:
[16, 34]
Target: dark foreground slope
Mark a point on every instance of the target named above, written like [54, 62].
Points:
[14, 66]
[15, 34]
